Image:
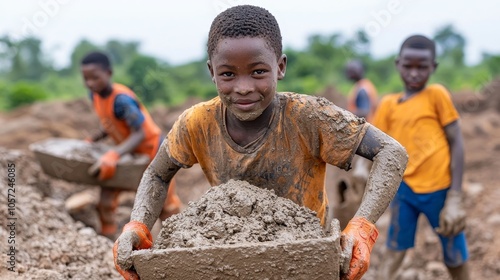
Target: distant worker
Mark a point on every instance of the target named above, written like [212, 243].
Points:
[362, 100]
[276, 140]
[128, 123]
[424, 120]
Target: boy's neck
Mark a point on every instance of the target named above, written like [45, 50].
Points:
[106, 91]
[408, 93]
[244, 132]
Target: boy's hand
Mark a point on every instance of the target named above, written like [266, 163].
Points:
[135, 236]
[105, 166]
[357, 241]
[452, 216]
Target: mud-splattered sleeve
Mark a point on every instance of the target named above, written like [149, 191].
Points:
[340, 133]
[179, 145]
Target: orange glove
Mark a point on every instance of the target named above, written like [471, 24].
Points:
[107, 165]
[135, 236]
[357, 242]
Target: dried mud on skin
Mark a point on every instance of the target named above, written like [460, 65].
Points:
[237, 212]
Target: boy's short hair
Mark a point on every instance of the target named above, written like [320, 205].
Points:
[99, 58]
[419, 42]
[242, 21]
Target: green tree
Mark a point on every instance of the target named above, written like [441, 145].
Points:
[146, 77]
[121, 52]
[81, 49]
[451, 46]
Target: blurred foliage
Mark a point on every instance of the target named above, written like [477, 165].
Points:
[23, 93]
[27, 73]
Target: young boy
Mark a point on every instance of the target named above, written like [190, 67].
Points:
[128, 123]
[272, 140]
[424, 120]
[362, 99]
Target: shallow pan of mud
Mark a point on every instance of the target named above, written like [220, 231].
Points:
[70, 159]
[302, 259]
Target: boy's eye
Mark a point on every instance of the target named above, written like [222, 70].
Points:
[260, 71]
[227, 74]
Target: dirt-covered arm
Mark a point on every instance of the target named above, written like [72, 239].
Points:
[153, 188]
[389, 163]
[456, 143]
[101, 134]
[133, 140]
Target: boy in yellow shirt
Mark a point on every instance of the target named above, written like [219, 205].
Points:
[424, 120]
[272, 140]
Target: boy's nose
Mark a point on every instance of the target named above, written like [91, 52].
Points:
[244, 86]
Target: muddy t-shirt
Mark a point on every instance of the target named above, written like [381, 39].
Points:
[305, 133]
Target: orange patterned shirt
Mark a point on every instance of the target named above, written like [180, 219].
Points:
[418, 124]
[305, 133]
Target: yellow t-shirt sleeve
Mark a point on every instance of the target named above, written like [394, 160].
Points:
[445, 109]
[380, 120]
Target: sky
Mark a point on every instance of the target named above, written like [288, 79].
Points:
[176, 31]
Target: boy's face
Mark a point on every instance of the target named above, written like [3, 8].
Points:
[96, 78]
[246, 72]
[415, 66]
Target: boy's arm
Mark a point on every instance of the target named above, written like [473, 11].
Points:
[133, 140]
[126, 109]
[362, 103]
[359, 236]
[389, 163]
[101, 134]
[148, 203]
[452, 216]
[455, 141]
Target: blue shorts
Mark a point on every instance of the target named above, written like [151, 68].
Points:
[405, 209]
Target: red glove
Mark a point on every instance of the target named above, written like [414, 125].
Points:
[107, 165]
[136, 234]
[357, 242]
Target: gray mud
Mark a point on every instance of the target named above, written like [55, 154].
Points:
[237, 212]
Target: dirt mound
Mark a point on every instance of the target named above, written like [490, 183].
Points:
[237, 212]
[333, 95]
[479, 101]
[49, 244]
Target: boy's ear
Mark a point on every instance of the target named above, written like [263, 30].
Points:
[435, 66]
[281, 67]
[211, 70]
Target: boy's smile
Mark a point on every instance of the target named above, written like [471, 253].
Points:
[245, 71]
[415, 67]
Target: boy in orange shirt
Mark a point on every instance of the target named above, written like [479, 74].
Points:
[272, 140]
[122, 117]
[424, 120]
[362, 99]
